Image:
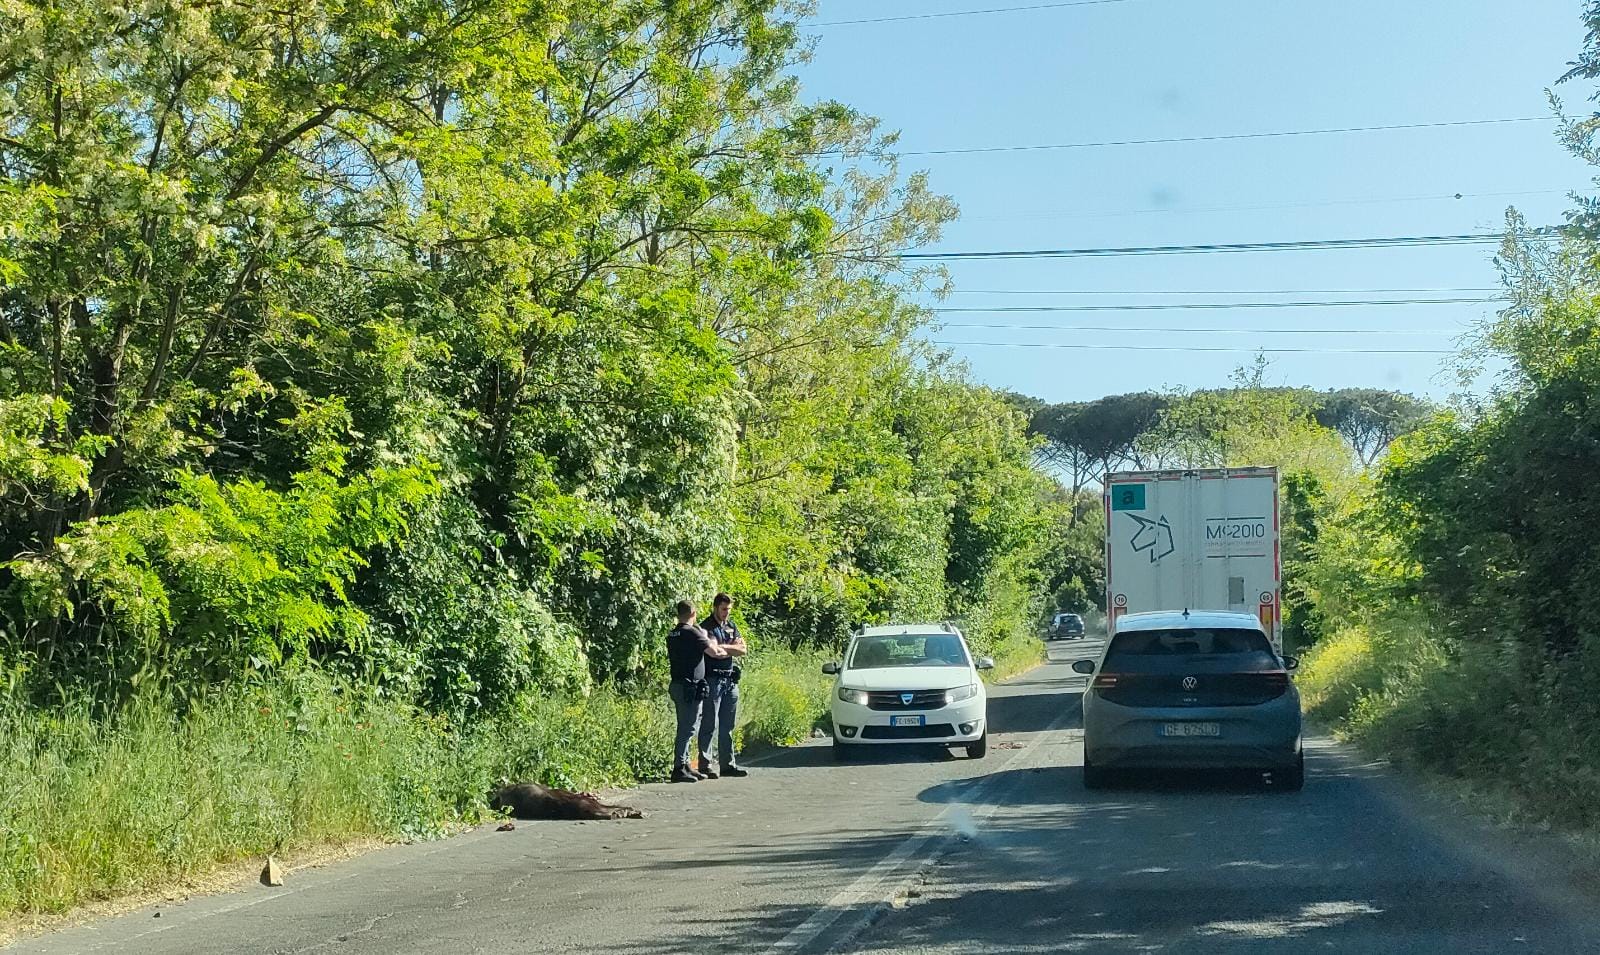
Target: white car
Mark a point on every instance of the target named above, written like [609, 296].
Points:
[914, 683]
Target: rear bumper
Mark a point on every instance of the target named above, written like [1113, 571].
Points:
[1265, 736]
[1193, 756]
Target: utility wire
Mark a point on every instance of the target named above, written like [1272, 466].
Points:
[1296, 291]
[1203, 348]
[1225, 137]
[1268, 207]
[1388, 242]
[1185, 306]
[1207, 331]
[967, 13]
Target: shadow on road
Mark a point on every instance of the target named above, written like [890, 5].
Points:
[1063, 785]
[1047, 702]
[819, 754]
[1204, 872]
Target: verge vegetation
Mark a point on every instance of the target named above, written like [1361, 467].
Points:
[1465, 576]
[374, 377]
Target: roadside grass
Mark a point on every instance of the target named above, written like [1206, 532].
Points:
[783, 695]
[91, 809]
[1478, 716]
[95, 808]
[1014, 655]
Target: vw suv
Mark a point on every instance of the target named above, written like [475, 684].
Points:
[909, 683]
[1191, 691]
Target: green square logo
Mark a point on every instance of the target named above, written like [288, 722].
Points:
[1127, 497]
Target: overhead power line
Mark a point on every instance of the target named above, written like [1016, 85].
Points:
[1294, 291]
[1202, 348]
[1304, 245]
[968, 13]
[1266, 207]
[1185, 306]
[1223, 137]
[1207, 331]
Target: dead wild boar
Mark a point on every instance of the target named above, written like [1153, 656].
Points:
[533, 801]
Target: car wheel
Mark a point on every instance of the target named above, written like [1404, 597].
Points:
[1293, 779]
[1094, 777]
[841, 751]
[977, 749]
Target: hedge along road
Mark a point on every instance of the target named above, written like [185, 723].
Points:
[920, 852]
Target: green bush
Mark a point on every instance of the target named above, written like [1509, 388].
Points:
[1485, 715]
[783, 696]
[1337, 672]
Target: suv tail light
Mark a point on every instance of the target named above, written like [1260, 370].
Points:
[1106, 681]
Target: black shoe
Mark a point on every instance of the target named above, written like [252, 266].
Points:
[734, 771]
[682, 774]
[706, 772]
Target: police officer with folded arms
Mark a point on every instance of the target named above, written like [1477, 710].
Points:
[688, 649]
[720, 711]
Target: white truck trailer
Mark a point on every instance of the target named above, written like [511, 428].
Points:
[1204, 539]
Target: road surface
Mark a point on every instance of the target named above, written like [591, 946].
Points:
[920, 852]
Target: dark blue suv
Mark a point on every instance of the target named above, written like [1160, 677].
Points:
[1065, 626]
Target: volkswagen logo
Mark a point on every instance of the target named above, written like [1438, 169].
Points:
[906, 698]
[1190, 682]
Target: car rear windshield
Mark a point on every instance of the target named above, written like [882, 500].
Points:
[910, 650]
[1144, 649]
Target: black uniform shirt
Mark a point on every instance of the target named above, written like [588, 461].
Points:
[721, 634]
[686, 652]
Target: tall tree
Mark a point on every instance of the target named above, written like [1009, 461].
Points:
[1369, 419]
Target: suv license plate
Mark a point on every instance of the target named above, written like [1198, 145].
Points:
[1191, 729]
[907, 720]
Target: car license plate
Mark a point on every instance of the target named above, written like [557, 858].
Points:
[1191, 729]
[907, 720]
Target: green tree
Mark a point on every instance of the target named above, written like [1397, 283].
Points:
[1369, 419]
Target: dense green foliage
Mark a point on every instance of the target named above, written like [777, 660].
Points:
[1461, 587]
[374, 376]
[1466, 577]
[446, 344]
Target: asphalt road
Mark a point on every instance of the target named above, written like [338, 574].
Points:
[921, 851]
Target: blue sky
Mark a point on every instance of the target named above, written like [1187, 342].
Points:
[1142, 69]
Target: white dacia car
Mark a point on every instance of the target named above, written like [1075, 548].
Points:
[909, 683]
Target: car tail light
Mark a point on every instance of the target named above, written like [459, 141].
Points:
[1106, 681]
[1277, 679]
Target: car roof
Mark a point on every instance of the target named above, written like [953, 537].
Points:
[909, 630]
[1177, 620]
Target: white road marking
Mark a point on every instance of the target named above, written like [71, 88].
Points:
[877, 884]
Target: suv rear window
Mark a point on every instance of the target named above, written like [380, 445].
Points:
[1139, 648]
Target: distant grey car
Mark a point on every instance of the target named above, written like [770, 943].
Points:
[1186, 690]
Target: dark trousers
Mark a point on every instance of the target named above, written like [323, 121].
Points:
[688, 711]
[718, 715]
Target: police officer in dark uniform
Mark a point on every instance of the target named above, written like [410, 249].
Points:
[721, 707]
[688, 649]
